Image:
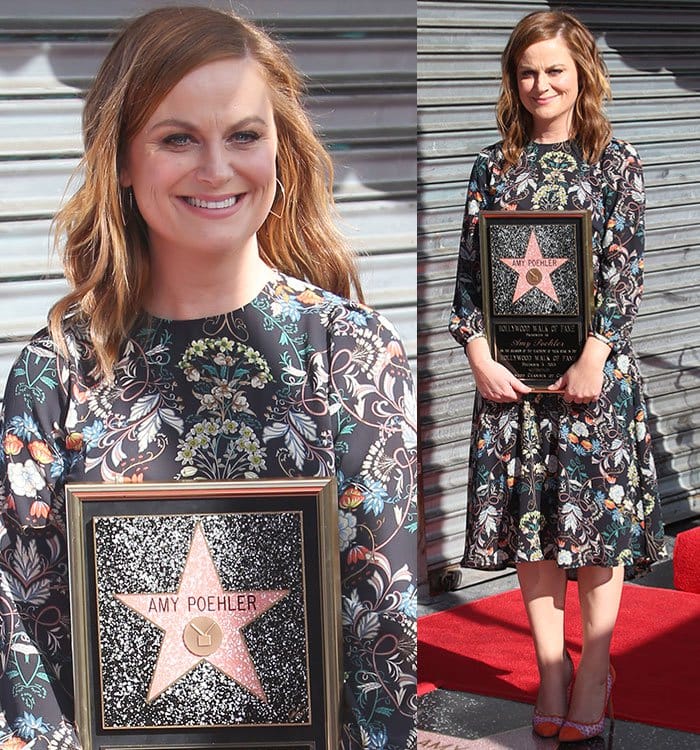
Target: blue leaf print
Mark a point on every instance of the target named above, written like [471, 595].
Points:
[93, 432]
[27, 726]
[375, 498]
[24, 427]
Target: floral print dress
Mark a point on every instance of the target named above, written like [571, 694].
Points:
[548, 480]
[299, 382]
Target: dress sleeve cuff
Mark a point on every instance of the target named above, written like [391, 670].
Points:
[477, 335]
[602, 338]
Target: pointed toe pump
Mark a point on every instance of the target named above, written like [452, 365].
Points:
[577, 731]
[549, 725]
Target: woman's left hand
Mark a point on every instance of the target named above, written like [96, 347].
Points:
[583, 381]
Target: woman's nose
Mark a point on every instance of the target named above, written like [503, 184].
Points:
[541, 82]
[215, 165]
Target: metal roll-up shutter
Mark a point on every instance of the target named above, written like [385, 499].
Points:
[653, 55]
[360, 60]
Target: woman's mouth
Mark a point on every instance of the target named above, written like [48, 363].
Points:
[211, 204]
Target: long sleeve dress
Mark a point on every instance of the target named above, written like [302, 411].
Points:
[548, 480]
[299, 382]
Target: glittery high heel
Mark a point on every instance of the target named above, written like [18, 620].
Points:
[576, 731]
[548, 725]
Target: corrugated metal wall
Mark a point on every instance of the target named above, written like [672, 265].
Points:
[653, 53]
[360, 58]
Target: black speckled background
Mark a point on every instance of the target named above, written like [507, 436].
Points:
[555, 241]
[251, 551]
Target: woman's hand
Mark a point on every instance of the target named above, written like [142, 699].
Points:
[583, 381]
[493, 381]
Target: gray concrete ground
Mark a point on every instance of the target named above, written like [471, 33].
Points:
[450, 720]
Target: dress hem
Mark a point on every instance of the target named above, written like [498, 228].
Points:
[637, 569]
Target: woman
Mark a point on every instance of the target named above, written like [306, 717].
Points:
[191, 347]
[562, 483]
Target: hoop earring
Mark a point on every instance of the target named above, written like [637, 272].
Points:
[130, 198]
[284, 198]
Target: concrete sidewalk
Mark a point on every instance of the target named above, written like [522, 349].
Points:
[450, 720]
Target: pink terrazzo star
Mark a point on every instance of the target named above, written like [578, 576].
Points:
[534, 270]
[202, 622]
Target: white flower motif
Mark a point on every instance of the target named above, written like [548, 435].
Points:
[633, 475]
[564, 557]
[185, 455]
[641, 430]
[208, 401]
[580, 429]
[617, 494]
[192, 374]
[201, 441]
[623, 363]
[222, 390]
[239, 402]
[223, 359]
[257, 461]
[25, 479]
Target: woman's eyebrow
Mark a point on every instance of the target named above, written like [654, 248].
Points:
[185, 125]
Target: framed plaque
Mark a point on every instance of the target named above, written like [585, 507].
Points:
[206, 614]
[537, 287]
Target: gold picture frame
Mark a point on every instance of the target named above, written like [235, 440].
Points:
[537, 290]
[206, 614]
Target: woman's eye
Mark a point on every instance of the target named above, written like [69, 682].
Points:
[177, 139]
[245, 136]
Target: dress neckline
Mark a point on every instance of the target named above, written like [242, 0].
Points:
[265, 291]
[567, 144]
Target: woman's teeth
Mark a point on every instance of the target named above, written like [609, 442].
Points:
[225, 203]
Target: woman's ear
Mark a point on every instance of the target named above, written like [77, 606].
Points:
[124, 177]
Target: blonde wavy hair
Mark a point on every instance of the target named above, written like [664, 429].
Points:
[590, 126]
[105, 242]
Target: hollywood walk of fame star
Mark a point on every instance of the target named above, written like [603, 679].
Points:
[534, 270]
[202, 622]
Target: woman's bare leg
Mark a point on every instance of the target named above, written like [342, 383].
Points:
[599, 591]
[543, 587]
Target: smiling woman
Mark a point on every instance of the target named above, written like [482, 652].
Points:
[203, 175]
[208, 334]
[548, 88]
[561, 481]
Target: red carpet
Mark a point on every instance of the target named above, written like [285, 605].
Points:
[484, 647]
[686, 561]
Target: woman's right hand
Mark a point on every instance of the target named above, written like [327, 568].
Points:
[493, 381]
